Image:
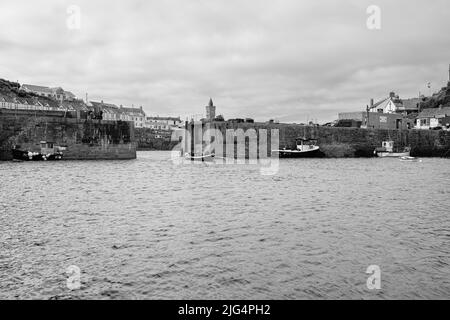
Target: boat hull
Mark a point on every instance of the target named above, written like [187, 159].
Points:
[315, 153]
[393, 154]
[20, 155]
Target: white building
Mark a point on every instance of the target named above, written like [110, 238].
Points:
[393, 104]
[32, 104]
[163, 123]
[433, 117]
[137, 115]
[109, 111]
[114, 113]
[389, 105]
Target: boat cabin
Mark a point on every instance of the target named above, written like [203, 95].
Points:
[388, 146]
[47, 147]
[306, 144]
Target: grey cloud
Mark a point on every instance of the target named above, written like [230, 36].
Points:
[264, 59]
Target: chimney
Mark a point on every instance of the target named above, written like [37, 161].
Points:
[392, 95]
[371, 103]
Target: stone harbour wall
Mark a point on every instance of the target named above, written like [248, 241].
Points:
[83, 139]
[346, 142]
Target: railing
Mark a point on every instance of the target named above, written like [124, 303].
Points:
[19, 106]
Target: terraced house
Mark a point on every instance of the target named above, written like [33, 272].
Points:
[109, 111]
[57, 93]
[31, 104]
[137, 115]
[112, 112]
[163, 123]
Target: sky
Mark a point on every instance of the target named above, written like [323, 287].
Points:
[287, 60]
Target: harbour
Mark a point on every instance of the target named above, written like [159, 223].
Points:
[308, 232]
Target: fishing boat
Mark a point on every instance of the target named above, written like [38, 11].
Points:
[306, 148]
[48, 152]
[387, 151]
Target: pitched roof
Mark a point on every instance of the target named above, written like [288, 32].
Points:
[435, 112]
[103, 104]
[133, 111]
[32, 87]
[411, 104]
[69, 94]
[397, 102]
[164, 118]
[75, 105]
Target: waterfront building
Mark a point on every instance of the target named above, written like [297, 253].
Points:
[109, 111]
[393, 104]
[210, 111]
[433, 117]
[163, 123]
[112, 112]
[137, 115]
[376, 120]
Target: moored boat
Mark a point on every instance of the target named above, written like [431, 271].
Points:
[48, 152]
[306, 148]
[387, 151]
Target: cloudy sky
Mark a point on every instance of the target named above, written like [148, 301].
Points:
[289, 60]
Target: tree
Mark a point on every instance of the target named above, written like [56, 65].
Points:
[219, 118]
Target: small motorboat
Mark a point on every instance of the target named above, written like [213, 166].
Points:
[306, 148]
[410, 159]
[387, 151]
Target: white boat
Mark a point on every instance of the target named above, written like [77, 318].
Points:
[387, 151]
[305, 148]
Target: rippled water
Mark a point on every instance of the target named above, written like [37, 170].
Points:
[148, 229]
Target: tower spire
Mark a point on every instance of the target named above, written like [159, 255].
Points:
[210, 111]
